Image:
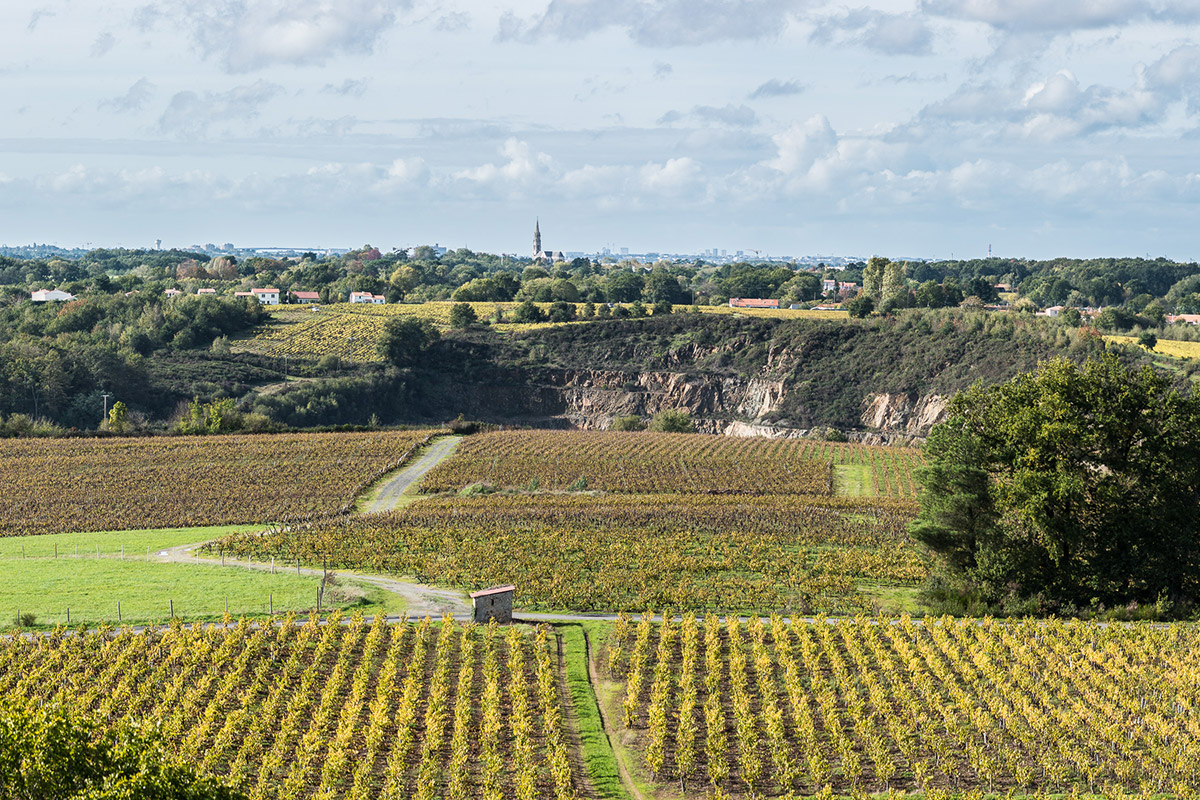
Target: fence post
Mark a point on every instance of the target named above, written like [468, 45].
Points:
[271, 600]
[172, 601]
[118, 611]
[68, 615]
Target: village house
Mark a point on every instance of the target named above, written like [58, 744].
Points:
[207, 291]
[172, 292]
[305, 297]
[367, 297]
[51, 296]
[268, 297]
[494, 603]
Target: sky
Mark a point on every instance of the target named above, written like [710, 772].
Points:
[906, 128]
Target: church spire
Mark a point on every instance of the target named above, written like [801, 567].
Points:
[537, 238]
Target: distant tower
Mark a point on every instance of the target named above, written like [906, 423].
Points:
[537, 239]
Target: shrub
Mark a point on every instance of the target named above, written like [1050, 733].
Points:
[462, 315]
[630, 423]
[671, 420]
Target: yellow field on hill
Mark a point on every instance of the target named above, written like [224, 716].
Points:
[1166, 347]
[353, 330]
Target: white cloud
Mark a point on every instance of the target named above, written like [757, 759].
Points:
[1062, 15]
[655, 23]
[190, 115]
[104, 43]
[249, 34]
[734, 116]
[776, 88]
[802, 144]
[890, 34]
[133, 100]
[524, 167]
[347, 88]
[677, 176]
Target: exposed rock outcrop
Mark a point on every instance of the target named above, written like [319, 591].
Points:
[903, 414]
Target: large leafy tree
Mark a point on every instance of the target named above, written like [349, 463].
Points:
[1068, 485]
[406, 339]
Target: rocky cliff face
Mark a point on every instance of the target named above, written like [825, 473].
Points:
[902, 413]
[592, 399]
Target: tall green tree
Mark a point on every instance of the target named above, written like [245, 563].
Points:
[872, 277]
[1068, 485]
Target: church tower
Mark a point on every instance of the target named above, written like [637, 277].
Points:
[537, 239]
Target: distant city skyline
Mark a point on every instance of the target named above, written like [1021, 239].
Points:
[895, 127]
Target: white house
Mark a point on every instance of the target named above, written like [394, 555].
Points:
[268, 297]
[51, 295]
[172, 293]
[367, 297]
[206, 291]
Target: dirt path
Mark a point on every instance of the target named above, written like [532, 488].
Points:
[390, 493]
[419, 600]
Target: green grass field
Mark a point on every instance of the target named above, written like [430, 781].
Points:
[90, 573]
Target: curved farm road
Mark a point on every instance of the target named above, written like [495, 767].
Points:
[419, 600]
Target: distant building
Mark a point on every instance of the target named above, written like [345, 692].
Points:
[51, 296]
[544, 256]
[367, 297]
[494, 603]
[749, 302]
[172, 292]
[209, 291]
[305, 297]
[841, 287]
[1189, 319]
[268, 297]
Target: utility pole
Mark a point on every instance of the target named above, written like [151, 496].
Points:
[106, 395]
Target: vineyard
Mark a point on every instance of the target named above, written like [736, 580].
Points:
[61, 485]
[623, 552]
[353, 330]
[364, 710]
[654, 463]
[768, 708]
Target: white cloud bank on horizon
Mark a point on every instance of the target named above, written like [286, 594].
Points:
[921, 127]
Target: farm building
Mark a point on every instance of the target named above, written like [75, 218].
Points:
[268, 297]
[305, 297]
[51, 296]
[751, 302]
[367, 297]
[494, 603]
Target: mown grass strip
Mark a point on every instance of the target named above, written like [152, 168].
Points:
[853, 480]
[595, 748]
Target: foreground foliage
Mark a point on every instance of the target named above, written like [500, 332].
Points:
[61, 485]
[357, 711]
[640, 462]
[1070, 486]
[48, 753]
[610, 553]
[873, 705]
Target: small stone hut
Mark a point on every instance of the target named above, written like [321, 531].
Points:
[494, 603]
